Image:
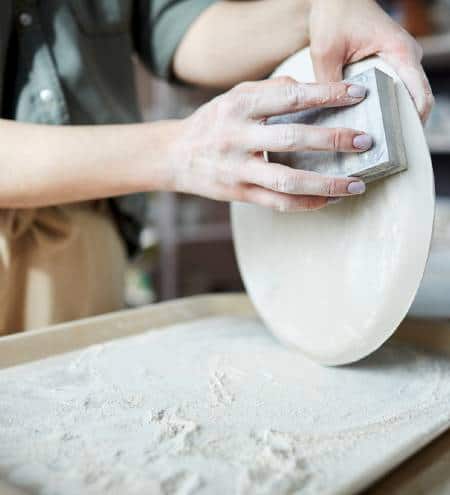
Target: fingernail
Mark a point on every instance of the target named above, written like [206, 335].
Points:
[355, 91]
[363, 142]
[356, 187]
[333, 201]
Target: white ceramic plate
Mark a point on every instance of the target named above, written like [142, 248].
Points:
[336, 283]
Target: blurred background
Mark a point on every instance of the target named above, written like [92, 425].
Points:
[186, 245]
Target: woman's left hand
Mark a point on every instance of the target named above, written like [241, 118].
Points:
[345, 31]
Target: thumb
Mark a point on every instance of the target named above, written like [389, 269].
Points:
[328, 64]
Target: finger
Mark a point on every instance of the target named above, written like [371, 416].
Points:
[285, 95]
[300, 137]
[327, 63]
[416, 81]
[286, 180]
[419, 88]
[281, 202]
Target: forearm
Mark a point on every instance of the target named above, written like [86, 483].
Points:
[234, 41]
[47, 165]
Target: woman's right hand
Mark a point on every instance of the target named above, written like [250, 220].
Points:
[219, 151]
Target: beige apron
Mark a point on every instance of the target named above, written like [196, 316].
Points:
[57, 264]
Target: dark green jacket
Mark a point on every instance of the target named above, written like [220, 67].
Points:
[69, 61]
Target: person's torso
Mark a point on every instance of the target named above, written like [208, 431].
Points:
[67, 61]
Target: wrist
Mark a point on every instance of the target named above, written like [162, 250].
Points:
[155, 164]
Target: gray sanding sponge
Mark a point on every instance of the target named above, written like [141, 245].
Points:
[377, 115]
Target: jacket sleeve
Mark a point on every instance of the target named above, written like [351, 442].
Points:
[158, 28]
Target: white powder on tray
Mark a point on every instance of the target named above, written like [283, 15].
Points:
[215, 406]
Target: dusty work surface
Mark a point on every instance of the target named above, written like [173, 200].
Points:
[215, 405]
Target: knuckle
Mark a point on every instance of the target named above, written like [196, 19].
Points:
[225, 104]
[225, 144]
[326, 94]
[430, 99]
[242, 87]
[283, 206]
[405, 45]
[235, 102]
[242, 194]
[321, 94]
[331, 187]
[333, 92]
[289, 137]
[285, 80]
[282, 184]
[294, 95]
[336, 139]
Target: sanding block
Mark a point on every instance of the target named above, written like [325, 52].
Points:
[377, 115]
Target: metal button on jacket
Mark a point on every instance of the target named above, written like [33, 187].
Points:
[46, 95]
[25, 19]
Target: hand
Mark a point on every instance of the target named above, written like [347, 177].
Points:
[345, 31]
[219, 152]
